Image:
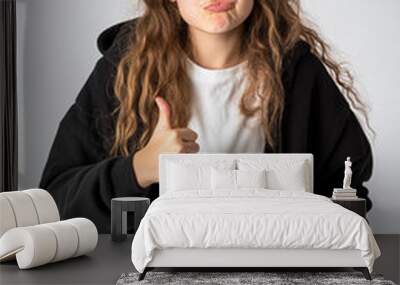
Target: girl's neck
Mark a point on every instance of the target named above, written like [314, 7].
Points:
[216, 51]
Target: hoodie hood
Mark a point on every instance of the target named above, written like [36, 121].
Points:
[113, 42]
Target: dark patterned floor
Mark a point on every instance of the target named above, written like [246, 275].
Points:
[388, 265]
[244, 278]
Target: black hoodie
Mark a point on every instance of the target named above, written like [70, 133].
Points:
[83, 178]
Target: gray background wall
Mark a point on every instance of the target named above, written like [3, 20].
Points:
[57, 51]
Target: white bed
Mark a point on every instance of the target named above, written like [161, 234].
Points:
[249, 227]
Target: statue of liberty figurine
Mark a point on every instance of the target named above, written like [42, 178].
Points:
[347, 174]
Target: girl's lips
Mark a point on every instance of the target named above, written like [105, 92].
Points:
[220, 6]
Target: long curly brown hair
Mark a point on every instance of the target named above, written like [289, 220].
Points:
[154, 66]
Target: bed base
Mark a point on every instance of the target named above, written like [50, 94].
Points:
[251, 259]
[363, 270]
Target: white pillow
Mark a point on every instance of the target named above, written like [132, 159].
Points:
[292, 179]
[185, 175]
[281, 174]
[251, 178]
[225, 179]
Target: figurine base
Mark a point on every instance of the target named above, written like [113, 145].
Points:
[344, 190]
[344, 194]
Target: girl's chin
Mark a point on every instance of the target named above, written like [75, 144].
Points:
[220, 26]
[217, 25]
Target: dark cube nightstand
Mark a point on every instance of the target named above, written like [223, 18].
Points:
[357, 205]
[119, 209]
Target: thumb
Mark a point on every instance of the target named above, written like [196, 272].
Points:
[164, 113]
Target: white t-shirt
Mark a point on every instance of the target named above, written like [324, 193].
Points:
[216, 116]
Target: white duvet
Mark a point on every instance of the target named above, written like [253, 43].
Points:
[252, 218]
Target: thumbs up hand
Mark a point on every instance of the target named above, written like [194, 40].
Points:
[164, 139]
[164, 114]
